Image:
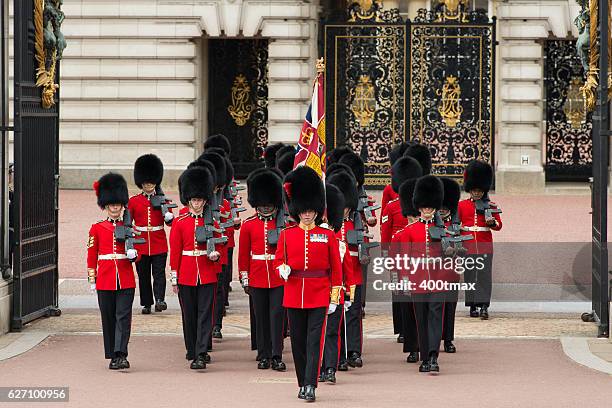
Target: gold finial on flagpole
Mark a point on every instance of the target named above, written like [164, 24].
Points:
[320, 66]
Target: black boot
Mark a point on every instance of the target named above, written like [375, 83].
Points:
[309, 393]
[146, 310]
[484, 313]
[264, 364]
[400, 339]
[355, 360]
[301, 394]
[199, 363]
[413, 357]
[424, 367]
[160, 306]
[434, 368]
[473, 311]
[216, 334]
[322, 376]
[278, 365]
[114, 364]
[449, 347]
[330, 375]
[207, 358]
[343, 366]
[122, 361]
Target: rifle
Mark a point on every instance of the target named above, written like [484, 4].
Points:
[160, 202]
[363, 206]
[281, 219]
[125, 233]
[231, 194]
[357, 237]
[450, 237]
[483, 207]
[205, 233]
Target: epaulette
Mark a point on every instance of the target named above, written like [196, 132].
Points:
[390, 201]
[252, 217]
[327, 227]
[181, 217]
[290, 226]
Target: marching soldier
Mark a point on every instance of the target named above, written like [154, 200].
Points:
[150, 210]
[448, 213]
[392, 220]
[194, 267]
[110, 271]
[308, 258]
[256, 266]
[333, 339]
[269, 154]
[354, 279]
[388, 193]
[479, 216]
[417, 241]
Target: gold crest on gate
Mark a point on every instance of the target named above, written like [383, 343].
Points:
[364, 101]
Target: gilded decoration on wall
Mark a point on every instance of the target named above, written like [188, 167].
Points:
[452, 10]
[361, 10]
[241, 106]
[364, 101]
[574, 104]
[450, 109]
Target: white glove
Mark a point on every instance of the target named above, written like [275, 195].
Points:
[214, 256]
[168, 216]
[347, 305]
[132, 254]
[237, 221]
[284, 271]
[173, 278]
[332, 308]
[244, 279]
[92, 288]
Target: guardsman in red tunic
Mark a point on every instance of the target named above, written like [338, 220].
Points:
[194, 267]
[476, 221]
[388, 193]
[416, 241]
[407, 317]
[308, 258]
[110, 271]
[392, 220]
[354, 331]
[258, 276]
[448, 213]
[333, 338]
[146, 210]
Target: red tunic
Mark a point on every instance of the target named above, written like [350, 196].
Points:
[309, 253]
[387, 195]
[253, 249]
[414, 240]
[226, 215]
[102, 243]
[194, 266]
[150, 223]
[469, 217]
[391, 221]
[353, 272]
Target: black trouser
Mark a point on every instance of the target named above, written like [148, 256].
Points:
[450, 305]
[151, 265]
[220, 297]
[307, 337]
[409, 326]
[353, 324]
[481, 297]
[197, 304]
[364, 284]
[428, 310]
[116, 312]
[333, 339]
[268, 304]
[253, 321]
[396, 313]
[230, 273]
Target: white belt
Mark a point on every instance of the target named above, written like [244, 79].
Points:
[148, 229]
[110, 257]
[197, 252]
[476, 229]
[263, 257]
[353, 253]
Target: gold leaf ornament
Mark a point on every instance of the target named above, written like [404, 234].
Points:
[45, 78]
[450, 109]
[241, 107]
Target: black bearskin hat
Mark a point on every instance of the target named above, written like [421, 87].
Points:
[148, 169]
[303, 190]
[397, 151]
[422, 154]
[269, 154]
[196, 182]
[406, 193]
[335, 154]
[347, 184]
[218, 140]
[283, 151]
[335, 206]
[219, 162]
[204, 163]
[229, 172]
[335, 167]
[357, 166]
[452, 194]
[428, 193]
[265, 187]
[403, 169]
[217, 150]
[111, 188]
[478, 174]
[180, 188]
[285, 162]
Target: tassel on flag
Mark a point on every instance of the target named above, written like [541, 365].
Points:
[311, 143]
